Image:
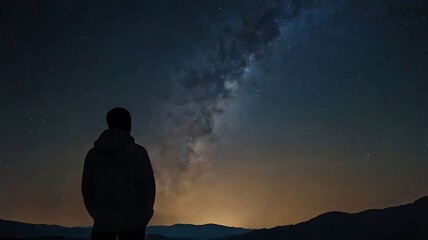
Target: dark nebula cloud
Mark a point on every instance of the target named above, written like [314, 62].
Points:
[200, 89]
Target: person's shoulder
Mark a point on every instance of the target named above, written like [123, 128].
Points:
[90, 155]
[90, 152]
[141, 151]
[139, 148]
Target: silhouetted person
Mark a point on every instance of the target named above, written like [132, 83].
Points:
[118, 185]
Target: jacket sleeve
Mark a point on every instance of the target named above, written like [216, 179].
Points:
[87, 190]
[145, 183]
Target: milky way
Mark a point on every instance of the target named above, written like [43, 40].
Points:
[201, 87]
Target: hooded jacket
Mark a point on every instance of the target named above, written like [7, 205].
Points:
[118, 185]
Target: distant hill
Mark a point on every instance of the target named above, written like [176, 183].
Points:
[407, 222]
[13, 229]
[46, 238]
[148, 237]
[200, 232]
[27, 230]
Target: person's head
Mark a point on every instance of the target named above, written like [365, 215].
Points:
[119, 118]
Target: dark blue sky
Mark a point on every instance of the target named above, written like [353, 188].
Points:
[246, 107]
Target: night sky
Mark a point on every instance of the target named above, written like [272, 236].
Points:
[254, 113]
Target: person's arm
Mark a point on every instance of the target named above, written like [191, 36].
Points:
[86, 187]
[145, 182]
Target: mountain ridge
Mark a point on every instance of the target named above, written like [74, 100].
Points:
[15, 229]
[406, 221]
[190, 231]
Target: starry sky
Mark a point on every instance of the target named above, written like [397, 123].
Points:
[254, 113]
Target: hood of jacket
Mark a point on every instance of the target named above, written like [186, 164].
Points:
[113, 140]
